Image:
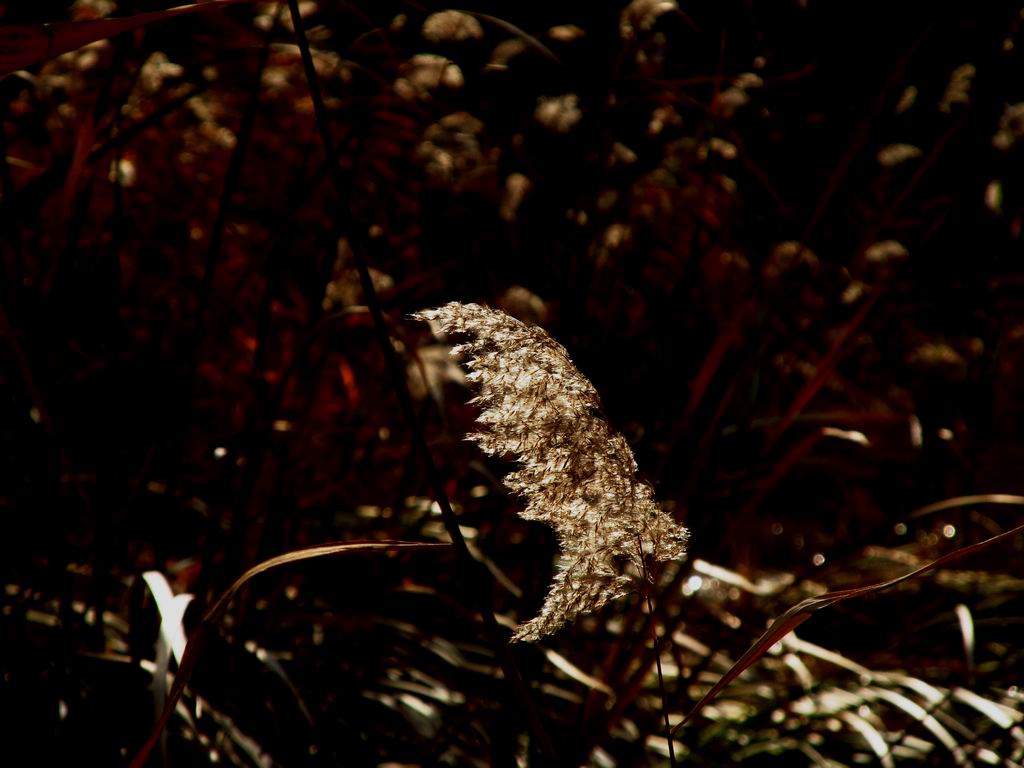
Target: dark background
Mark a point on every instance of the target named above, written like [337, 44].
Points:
[190, 383]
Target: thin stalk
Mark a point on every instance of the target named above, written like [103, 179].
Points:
[653, 624]
[479, 577]
[860, 136]
[232, 177]
[7, 219]
[233, 173]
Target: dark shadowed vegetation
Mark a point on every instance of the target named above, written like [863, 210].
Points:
[783, 241]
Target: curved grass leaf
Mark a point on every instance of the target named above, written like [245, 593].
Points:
[803, 610]
[512, 29]
[872, 736]
[213, 615]
[969, 501]
[1004, 717]
[172, 638]
[923, 716]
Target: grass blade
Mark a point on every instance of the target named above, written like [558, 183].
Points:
[921, 715]
[803, 610]
[872, 736]
[213, 614]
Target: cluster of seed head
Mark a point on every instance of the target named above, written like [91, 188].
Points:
[575, 472]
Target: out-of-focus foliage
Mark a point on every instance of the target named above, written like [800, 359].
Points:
[783, 241]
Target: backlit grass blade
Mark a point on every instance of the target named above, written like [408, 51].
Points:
[803, 610]
[213, 615]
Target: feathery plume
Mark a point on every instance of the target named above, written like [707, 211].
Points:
[575, 472]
